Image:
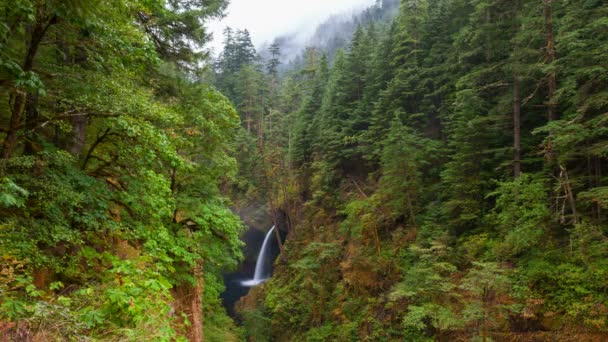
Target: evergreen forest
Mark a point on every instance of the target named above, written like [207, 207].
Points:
[436, 170]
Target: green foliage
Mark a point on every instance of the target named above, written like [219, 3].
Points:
[397, 171]
[220, 327]
[13, 195]
[487, 284]
[257, 325]
[522, 215]
[394, 160]
[425, 287]
[306, 129]
[418, 318]
[319, 334]
[112, 161]
[404, 158]
[314, 254]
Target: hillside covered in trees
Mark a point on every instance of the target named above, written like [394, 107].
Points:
[443, 175]
[439, 169]
[112, 221]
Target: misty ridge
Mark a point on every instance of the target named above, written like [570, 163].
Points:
[331, 35]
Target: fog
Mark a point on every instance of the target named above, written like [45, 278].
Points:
[268, 19]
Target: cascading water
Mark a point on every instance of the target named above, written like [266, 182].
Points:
[259, 276]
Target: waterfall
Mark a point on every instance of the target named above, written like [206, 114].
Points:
[260, 274]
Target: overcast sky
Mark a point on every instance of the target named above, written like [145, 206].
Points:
[266, 19]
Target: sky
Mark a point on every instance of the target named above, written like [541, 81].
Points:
[267, 19]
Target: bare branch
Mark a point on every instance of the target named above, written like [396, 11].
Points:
[90, 152]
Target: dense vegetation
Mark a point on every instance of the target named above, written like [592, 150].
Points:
[444, 175]
[441, 174]
[112, 222]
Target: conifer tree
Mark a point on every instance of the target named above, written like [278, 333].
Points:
[306, 127]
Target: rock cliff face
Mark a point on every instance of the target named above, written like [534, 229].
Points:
[254, 215]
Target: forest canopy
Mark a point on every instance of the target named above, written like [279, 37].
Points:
[113, 153]
[438, 167]
[443, 171]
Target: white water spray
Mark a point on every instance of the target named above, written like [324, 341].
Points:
[259, 276]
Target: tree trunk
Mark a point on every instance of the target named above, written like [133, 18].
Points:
[550, 58]
[568, 193]
[189, 301]
[598, 177]
[31, 121]
[98, 141]
[261, 128]
[488, 42]
[79, 134]
[276, 230]
[196, 333]
[10, 141]
[516, 127]
[290, 230]
[20, 96]
[174, 192]
[277, 234]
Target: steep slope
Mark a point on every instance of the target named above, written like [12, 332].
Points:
[444, 179]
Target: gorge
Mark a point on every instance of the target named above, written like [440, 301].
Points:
[420, 170]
